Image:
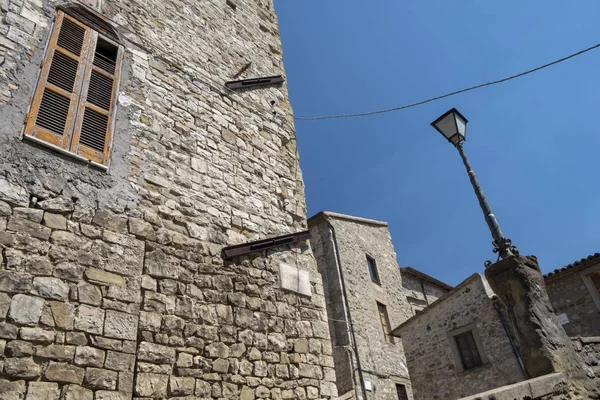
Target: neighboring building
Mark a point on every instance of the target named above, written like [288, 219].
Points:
[574, 293]
[126, 167]
[458, 346]
[424, 289]
[366, 291]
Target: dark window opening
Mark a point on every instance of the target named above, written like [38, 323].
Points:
[467, 349]
[105, 57]
[385, 322]
[401, 391]
[373, 269]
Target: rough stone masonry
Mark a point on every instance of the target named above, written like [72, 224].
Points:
[112, 285]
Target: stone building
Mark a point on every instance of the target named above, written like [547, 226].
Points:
[127, 166]
[367, 294]
[574, 293]
[422, 289]
[462, 346]
[459, 346]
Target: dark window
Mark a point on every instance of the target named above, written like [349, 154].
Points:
[401, 390]
[595, 278]
[373, 269]
[385, 322]
[467, 348]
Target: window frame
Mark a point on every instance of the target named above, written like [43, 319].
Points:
[373, 271]
[69, 142]
[404, 387]
[456, 354]
[416, 305]
[384, 319]
[589, 284]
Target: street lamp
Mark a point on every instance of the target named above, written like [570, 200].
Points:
[453, 126]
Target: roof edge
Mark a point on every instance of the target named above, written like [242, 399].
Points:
[396, 331]
[573, 267]
[428, 278]
[326, 214]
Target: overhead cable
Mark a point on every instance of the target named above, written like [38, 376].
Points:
[387, 110]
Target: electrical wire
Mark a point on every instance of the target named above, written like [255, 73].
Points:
[387, 110]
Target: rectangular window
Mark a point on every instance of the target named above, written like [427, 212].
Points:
[385, 322]
[595, 278]
[401, 391]
[417, 305]
[73, 108]
[373, 269]
[467, 349]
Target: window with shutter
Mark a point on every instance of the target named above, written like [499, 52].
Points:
[401, 391]
[73, 108]
[385, 322]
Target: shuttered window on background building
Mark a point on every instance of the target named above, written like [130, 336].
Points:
[385, 322]
[401, 392]
[73, 108]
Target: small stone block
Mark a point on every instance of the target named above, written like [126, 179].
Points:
[55, 221]
[26, 310]
[63, 372]
[89, 356]
[104, 278]
[89, 319]
[42, 391]
[97, 378]
[23, 368]
[151, 385]
[76, 392]
[12, 390]
[120, 325]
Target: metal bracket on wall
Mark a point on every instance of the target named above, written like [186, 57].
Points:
[251, 247]
[255, 82]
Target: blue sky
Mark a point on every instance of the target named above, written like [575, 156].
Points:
[533, 142]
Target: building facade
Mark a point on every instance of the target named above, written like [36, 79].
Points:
[574, 293]
[366, 296]
[462, 346]
[126, 167]
[459, 346]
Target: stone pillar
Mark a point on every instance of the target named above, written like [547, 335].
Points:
[543, 344]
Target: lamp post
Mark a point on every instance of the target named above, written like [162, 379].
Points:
[453, 126]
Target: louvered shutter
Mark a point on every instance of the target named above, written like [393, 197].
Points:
[401, 391]
[54, 106]
[96, 111]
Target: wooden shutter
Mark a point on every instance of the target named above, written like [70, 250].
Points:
[54, 106]
[95, 117]
[595, 278]
[74, 104]
[385, 322]
[401, 391]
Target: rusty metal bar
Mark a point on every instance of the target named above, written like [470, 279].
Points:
[251, 247]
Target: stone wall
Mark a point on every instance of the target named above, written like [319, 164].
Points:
[383, 364]
[570, 295]
[555, 386]
[588, 350]
[112, 285]
[424, 291]
[323, 247]
[433, 369]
